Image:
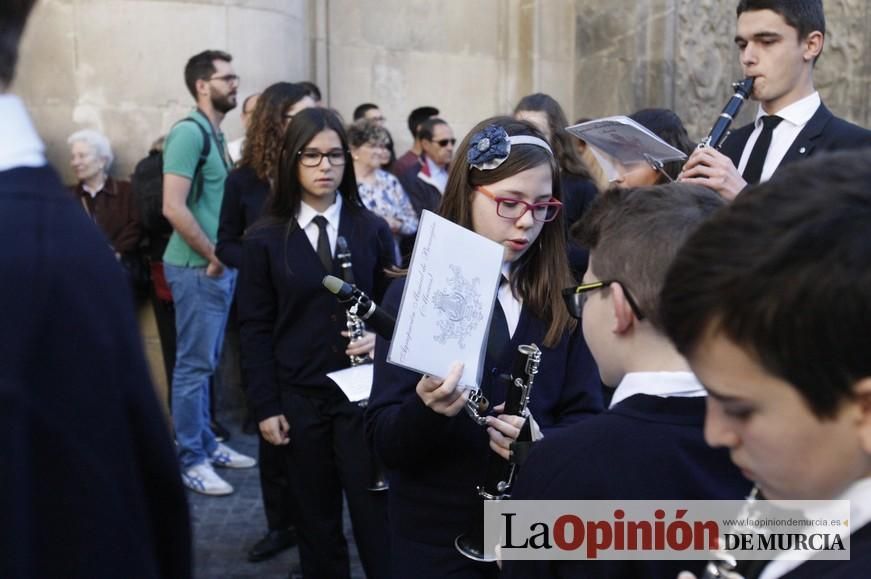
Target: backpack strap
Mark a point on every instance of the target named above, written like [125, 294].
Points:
[197, 179]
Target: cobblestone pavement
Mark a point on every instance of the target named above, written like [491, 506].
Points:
[225, 528]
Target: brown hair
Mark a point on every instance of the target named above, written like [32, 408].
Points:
[636, 232]
[562, 142]
[13, 16]
[266, 129]
[201, 67]
[540, 273]
[785, 274]
[363, 131]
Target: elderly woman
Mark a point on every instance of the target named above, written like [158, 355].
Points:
[380, 191]
[109, 202]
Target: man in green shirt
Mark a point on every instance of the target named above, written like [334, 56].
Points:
[202, 288]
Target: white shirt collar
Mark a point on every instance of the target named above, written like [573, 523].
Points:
[438, 175]
[511, 304]
[798, 113]
[663, 384]
[307, 213]
[859, 495]
[20, 145]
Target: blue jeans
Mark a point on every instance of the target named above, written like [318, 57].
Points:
[201, 307]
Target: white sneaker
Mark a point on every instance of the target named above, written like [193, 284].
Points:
[229, 458]
[202, 478]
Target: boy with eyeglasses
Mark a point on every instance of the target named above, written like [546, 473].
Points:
[770, 302]
[649, 444]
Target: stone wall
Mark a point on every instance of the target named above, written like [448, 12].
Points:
[116, 65]
[470, 59]
[679, 54]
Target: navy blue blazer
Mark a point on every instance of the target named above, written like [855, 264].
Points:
[824, 132]
[89, 482]
[244, 195]
[290, 325]
[435, 462]
[645, 447]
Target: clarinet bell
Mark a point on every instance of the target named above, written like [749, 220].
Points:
[471, 546]
[378, 484]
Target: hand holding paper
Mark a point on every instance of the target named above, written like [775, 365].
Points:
[442, 395]
[447, 302]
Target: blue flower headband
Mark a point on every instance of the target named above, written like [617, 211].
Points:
[491, 146]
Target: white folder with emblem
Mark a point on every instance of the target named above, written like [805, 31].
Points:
[448, 301]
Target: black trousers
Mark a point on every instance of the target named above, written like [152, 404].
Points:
[279, 504]
[328, 453]
[425, 561]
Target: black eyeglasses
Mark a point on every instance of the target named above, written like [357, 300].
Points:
[228, 78]
[313, 157]
[445, 142]
[575, 297]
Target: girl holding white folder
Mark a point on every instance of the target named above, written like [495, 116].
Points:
[503, 185]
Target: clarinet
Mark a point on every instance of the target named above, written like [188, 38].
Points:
[721, 128]
[356, 328]
[500, 472]
[361, 305]
[724, 565]
[355, 325]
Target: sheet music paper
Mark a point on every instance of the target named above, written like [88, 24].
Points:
[448, 301]
[619, 140]
[355, 382]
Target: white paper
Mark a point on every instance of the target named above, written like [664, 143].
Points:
[620, 141]
[448, 301]
[355, 382]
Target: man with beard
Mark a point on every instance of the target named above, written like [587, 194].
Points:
[202, 288]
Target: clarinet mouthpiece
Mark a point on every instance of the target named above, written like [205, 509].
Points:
[338, 287]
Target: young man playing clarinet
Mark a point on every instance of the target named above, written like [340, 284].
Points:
[770, 302]
[649, 444]
[779, 42]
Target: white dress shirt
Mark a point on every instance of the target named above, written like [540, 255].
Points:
[795, 118]
[234, 148]
[663, 384]
[306, 216]
[438, 175]
[859, 495]
[20, 145]
[511, 304]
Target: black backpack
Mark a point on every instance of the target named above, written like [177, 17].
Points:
[147, 181]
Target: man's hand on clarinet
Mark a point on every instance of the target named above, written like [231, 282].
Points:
[275, 430]
[504, 429]
[442, 395]
[714, 170]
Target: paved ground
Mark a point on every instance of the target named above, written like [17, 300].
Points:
[226, 527]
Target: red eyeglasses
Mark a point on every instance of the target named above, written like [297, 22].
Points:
[511, 208]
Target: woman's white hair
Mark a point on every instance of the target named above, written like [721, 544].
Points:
[97, 141]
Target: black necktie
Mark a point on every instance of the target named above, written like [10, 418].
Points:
[499, 337]
[324, 253]
[753, 169]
